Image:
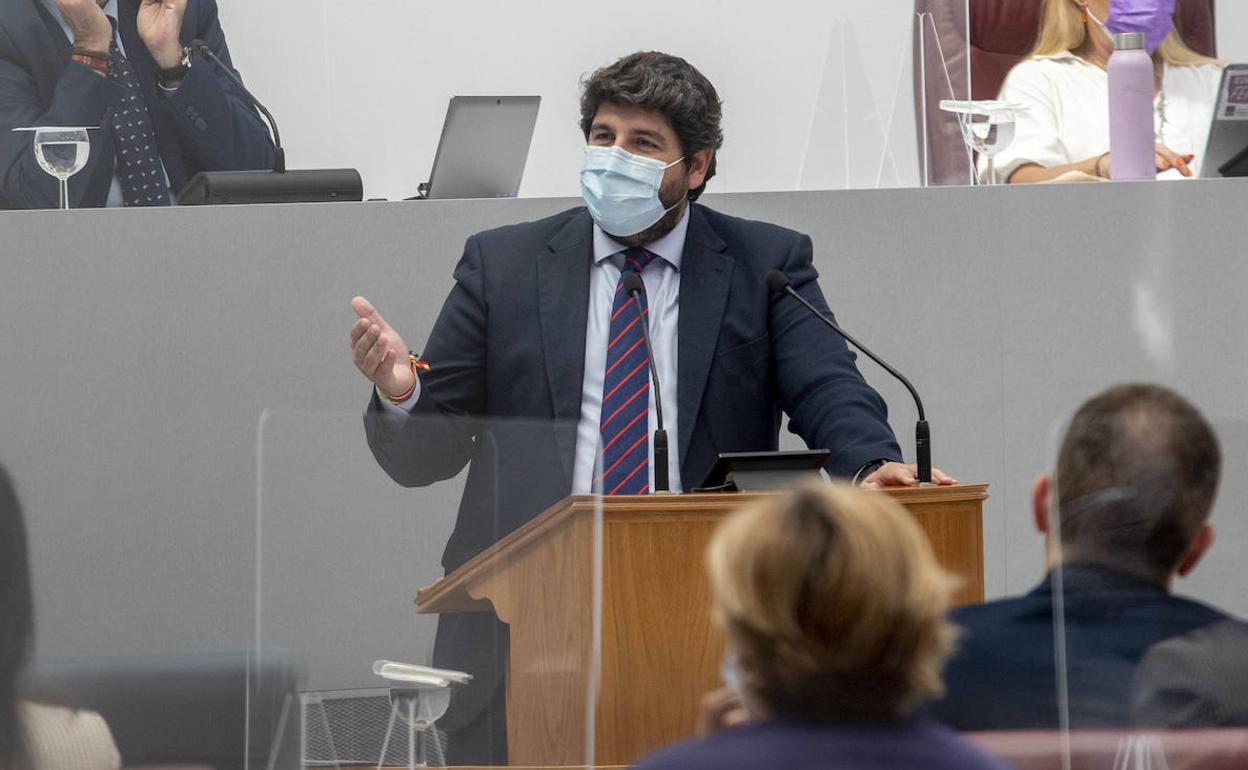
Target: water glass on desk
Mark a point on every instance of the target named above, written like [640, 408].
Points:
[61, 152]
[987, 127]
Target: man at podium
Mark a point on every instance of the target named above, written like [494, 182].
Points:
[539, 327]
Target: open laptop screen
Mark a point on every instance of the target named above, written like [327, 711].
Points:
[484, 146]
[1227, 151]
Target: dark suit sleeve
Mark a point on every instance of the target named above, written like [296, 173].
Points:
[219, 127]
[81, 99]
[437, 439]
[828, 402]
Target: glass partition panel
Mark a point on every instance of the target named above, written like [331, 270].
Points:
[826, 95]
[138, 549]
[816, 96]
[1148, 651]
[942, 73]
[451, 618]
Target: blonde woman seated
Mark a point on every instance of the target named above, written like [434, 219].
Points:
[834, 611]
[1065, 88]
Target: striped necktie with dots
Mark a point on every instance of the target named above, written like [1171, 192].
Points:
[139, 169]
[626, 391]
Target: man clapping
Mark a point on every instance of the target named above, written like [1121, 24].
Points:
[121, 65]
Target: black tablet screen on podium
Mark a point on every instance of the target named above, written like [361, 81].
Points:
[763, 470]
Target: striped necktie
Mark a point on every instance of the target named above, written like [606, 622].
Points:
[139, 169]
[626, 391]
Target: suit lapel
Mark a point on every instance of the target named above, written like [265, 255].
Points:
[705, 276]
[563, 305]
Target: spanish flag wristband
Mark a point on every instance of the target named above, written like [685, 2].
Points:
[417, 366]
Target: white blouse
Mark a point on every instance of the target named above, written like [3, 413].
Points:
[1067, 115]
[68, 739]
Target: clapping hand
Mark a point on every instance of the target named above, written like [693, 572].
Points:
[160, 27]
[92, 30]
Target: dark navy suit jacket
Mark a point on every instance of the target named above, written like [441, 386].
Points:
[509, 347]
[206, 125]
[1003, 676]
[786, 745]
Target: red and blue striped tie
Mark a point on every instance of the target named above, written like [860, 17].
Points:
[626, 391]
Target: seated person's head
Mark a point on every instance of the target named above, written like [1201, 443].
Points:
[1065, 26]
[16, 619]
[833, 605]
[1137, 473]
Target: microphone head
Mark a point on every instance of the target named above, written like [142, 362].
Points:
[777, 281]
[632, 282]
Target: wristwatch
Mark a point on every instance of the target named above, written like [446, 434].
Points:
[173, 76]
[867, 470]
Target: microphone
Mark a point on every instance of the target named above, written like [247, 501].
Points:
[778, 282]
[634, 287]
[273, 186]
[279, 154]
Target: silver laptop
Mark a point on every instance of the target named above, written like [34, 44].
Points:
[1226, 154]
[484, 146]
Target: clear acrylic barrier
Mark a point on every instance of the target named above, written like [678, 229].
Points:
[816, 95]
[833, 95]
[942, 71]
[341, 553]
[1149, 658]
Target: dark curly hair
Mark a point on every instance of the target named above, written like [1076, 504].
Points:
[669, 85]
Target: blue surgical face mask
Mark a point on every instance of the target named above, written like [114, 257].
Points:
[622, 189]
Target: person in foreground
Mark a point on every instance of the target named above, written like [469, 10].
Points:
[833, 607]
[124, 66]
[1127, 511]
[34, 736]
[1063, 88]
[540, 344]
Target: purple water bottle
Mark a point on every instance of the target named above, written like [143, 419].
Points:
[1132, 139]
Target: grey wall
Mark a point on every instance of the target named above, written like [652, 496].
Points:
[139, 351]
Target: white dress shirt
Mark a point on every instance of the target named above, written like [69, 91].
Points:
[1067, 115]
[115, 199]
[662, 281]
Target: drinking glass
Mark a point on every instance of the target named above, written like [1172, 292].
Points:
[61, 152]
[987, 128]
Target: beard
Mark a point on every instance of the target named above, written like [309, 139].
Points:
[674, 196]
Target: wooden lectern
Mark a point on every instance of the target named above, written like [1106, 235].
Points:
[659, 651]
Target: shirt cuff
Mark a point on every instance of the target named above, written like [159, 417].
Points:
[866, 470]
[403, 407]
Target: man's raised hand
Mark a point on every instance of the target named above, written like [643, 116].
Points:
[379, 352]
[92, 30]
[160, 27]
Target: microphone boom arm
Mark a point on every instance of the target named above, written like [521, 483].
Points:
[777, 281]
[279, 154]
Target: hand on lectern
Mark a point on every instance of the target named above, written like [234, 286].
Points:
[379, 352]
[900, 475]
